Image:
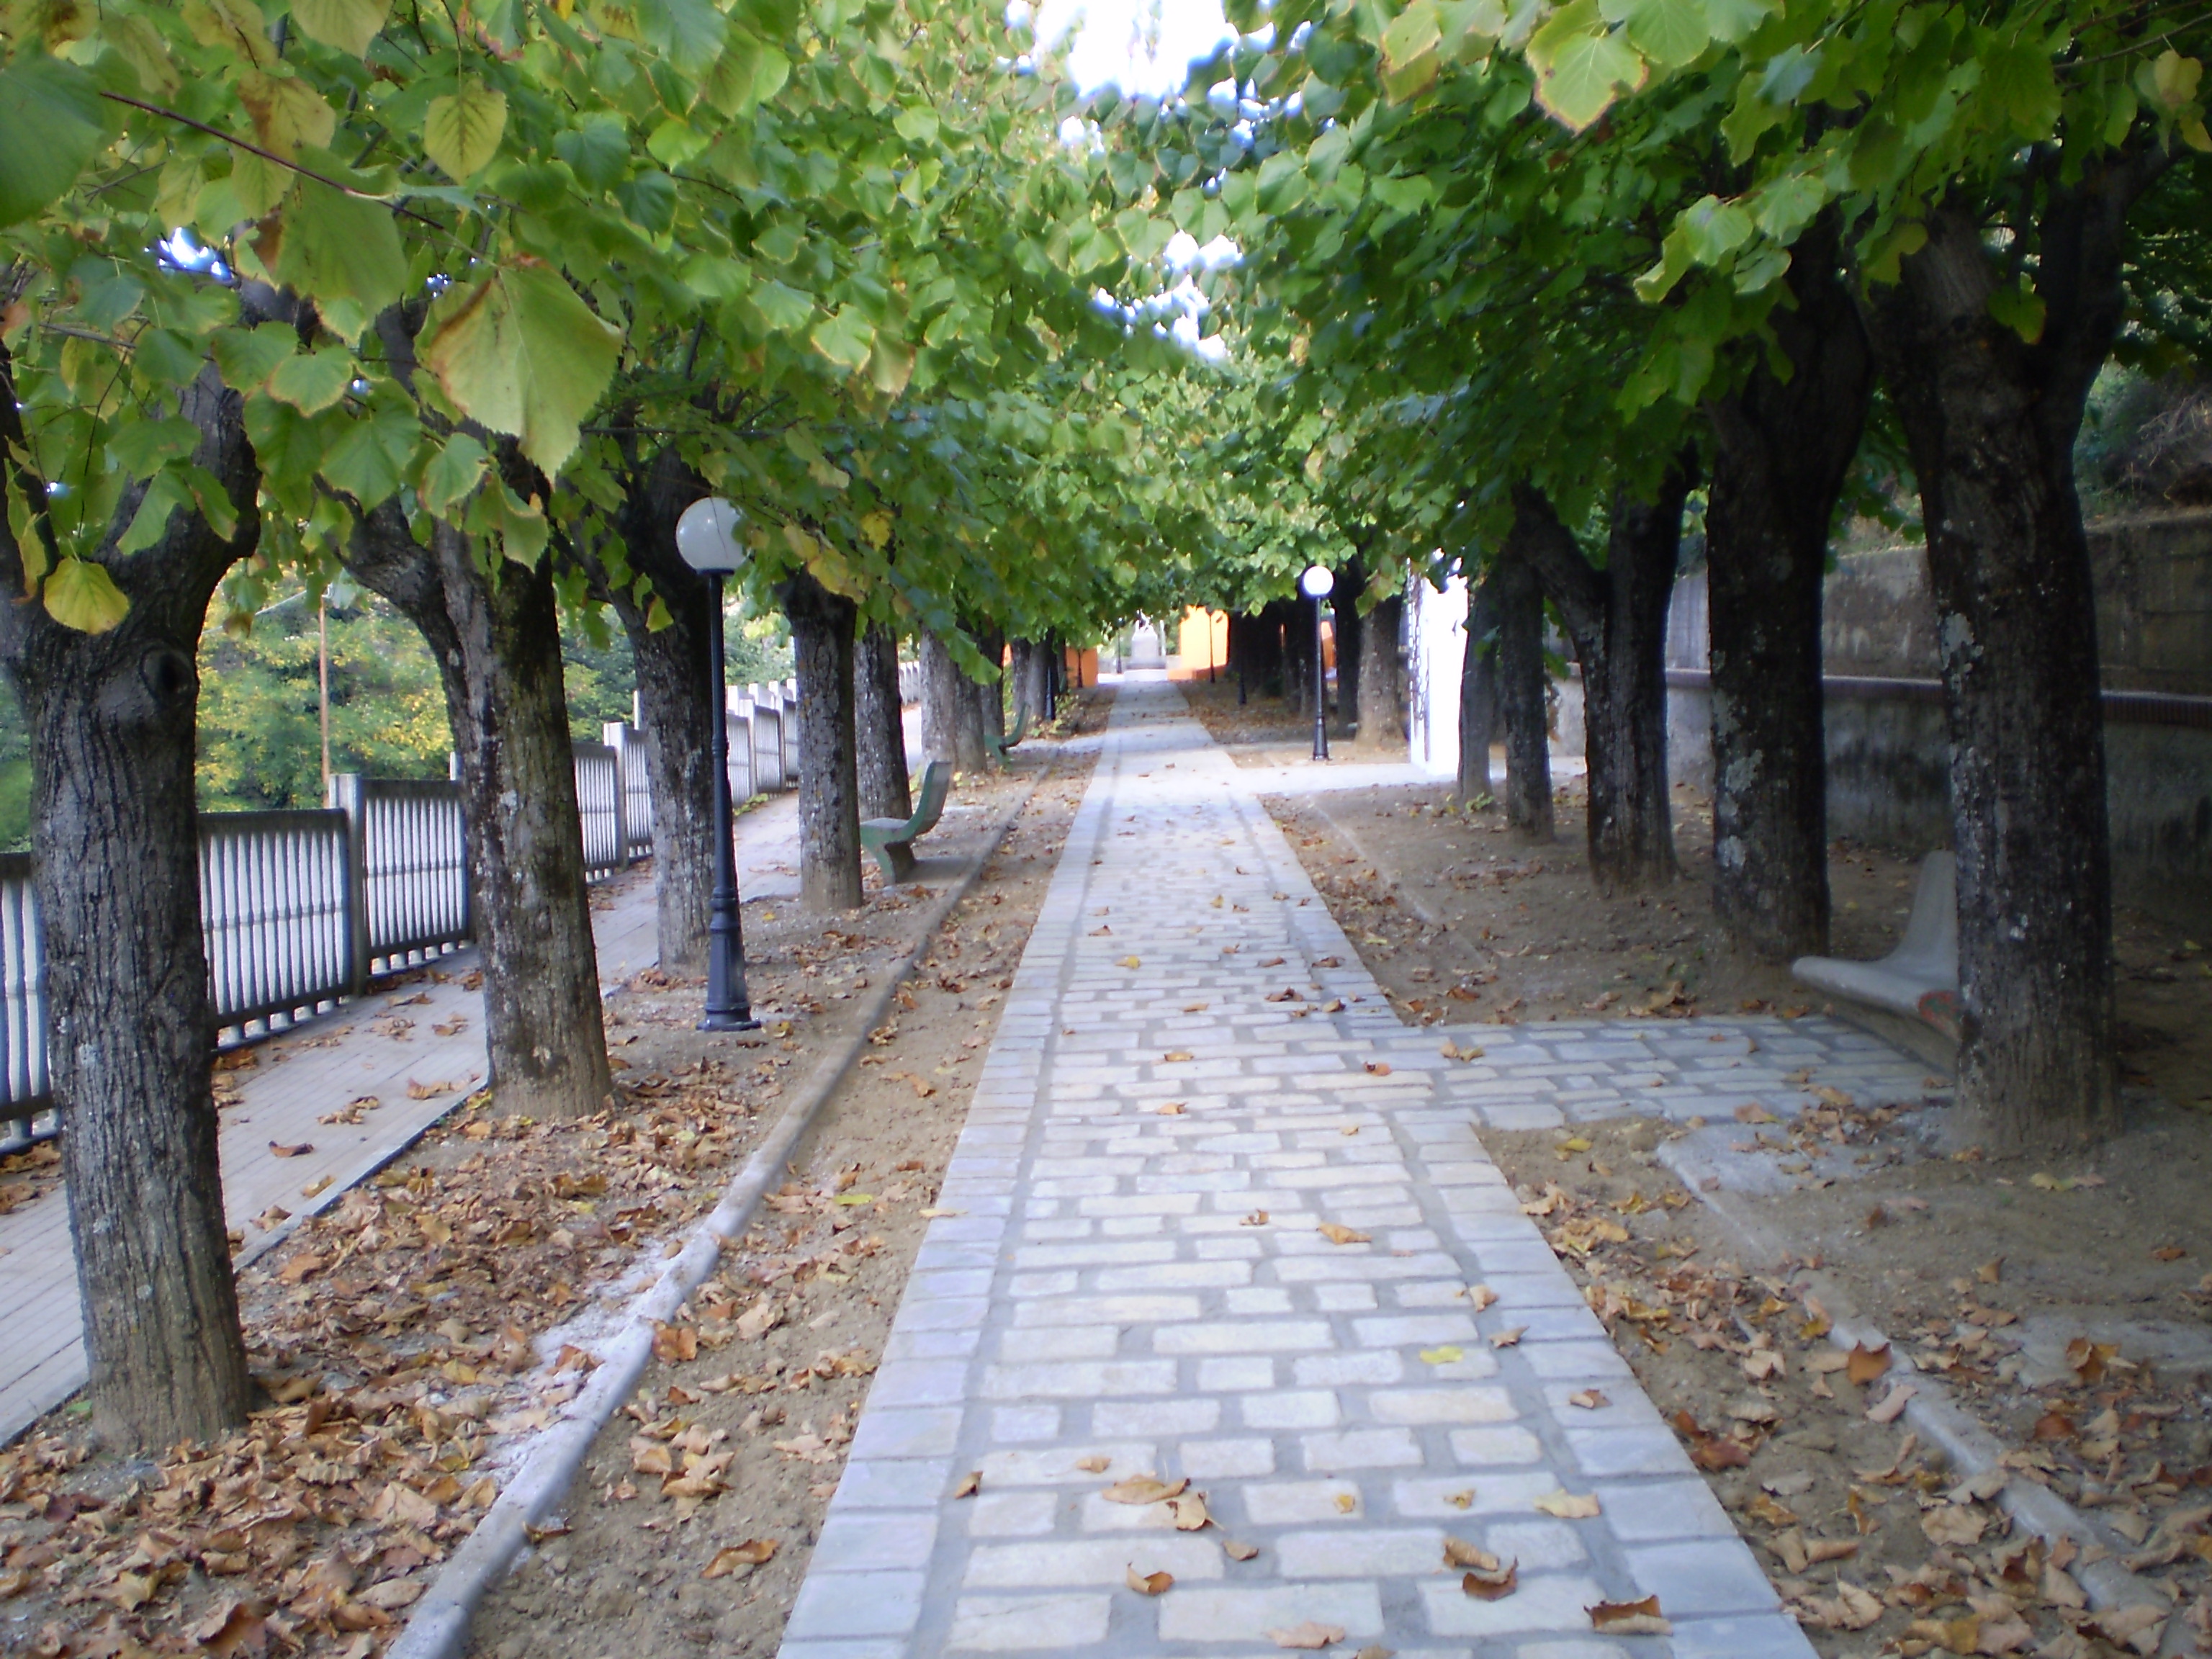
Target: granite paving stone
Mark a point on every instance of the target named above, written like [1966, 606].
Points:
[1131, 1292]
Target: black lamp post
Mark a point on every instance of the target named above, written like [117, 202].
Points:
[707, 536]
[1317, 584]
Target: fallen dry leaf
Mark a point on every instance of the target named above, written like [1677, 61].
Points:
[1954, 1524]
[1449, 1354]
[1491, 1583]
[1257, 1218]
[1892, 1404]
[1144, 1489]
[1173, 1108]
[1458, 1553]
[277, 1149]
[731, 1556]
[1190, 1511]
[1589, 1399]
[1480, 1296]
[1150, 1583]
[1510, 1338]
[1094, 1464]
[1862, 1365]
[1378, 1068]
[970, 1483]
[1631, 1617]
[1336, 1234]
[1238, 1551]
[1310, 1634]
[1569, 1505]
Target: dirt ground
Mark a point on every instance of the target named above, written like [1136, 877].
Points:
[403, 1336]
[1876, 1544]
[763, 1386]
[2067, 1303]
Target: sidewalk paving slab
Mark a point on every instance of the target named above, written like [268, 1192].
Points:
[1132, 1277]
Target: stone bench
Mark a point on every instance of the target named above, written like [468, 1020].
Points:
[999, 745]
[1912, 995]
[891, 839]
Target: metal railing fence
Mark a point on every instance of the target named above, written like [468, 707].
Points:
[276, 913]
[301, 909]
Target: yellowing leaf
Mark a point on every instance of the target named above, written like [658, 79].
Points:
[1449, 1354]
[461, 132]
[1580, 65]
[519, 351]
[1337, 1234]
[1150, 1583]
[80, 594]
[349, 25]
[287, 112]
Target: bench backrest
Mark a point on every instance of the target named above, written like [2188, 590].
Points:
[936, 783]
[1931, 935]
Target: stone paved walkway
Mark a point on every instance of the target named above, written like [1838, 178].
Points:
[1124, 1281]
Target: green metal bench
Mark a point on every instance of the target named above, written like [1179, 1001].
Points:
[998, 746]
[891, 839]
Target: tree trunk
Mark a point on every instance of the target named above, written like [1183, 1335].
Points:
[879, 726]
[1351, 633]
[821, 630]
[1617, 618]
[989, 695]
[1990, 422]
[497, 637]
[1478, 689]
[1524, 696]
[951, 727]
[675, 702]
[1781, 450]
[1382, 688]
[115, 851]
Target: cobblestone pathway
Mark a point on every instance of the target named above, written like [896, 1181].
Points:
[1135, 1281]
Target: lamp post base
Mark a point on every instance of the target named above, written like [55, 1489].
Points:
[728, 1023]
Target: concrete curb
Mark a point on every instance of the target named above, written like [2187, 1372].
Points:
[1934, 1416]
[438, 1629]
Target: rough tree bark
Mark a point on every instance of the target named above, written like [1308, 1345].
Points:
[494, 627]
[952, 728]
[988, 696]
[1478, 689]
[1990, 422]
[115, 851]
[1617, 618]
[1349, 640]
[673, 668]
[821, 632]
[1382, 698]
[879, 726]
[1781, 450]
[1524, 696]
